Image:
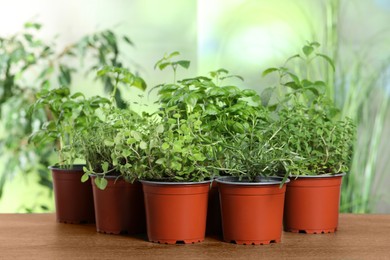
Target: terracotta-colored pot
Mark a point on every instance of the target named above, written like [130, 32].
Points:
[73, 198]
[119, 208]
[312, 204]
[176, 212]
[252, 212]
[214, 222]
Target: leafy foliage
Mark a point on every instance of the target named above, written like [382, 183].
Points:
[100, 139]
[69, 116]
[311, 128]
[29, 64]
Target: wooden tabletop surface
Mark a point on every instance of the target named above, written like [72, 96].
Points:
[38, 236]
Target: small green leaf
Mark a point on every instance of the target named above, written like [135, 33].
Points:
[108, 143]
[32, 25]
[85, 177]
[268, 71]
[307, 50]
[184, 63]
[266, 95]
[160, 129]
[165, 146]
[211, 109]
[127, 39]
[101, 183]
[329, 60]
[160, 161]
[143, 145]
[137, 136]
[105, 166]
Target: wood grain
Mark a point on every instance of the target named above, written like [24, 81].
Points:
[38, 236]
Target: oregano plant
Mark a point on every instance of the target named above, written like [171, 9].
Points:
[319, 141]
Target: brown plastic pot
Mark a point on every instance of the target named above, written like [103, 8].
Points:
[214, 221]
[176, 212]
[252, 212]
[119, 208]
[312, 204]
[73, 198]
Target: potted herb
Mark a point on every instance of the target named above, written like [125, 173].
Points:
[119, 206]
[321, 142]
[251, 201]
[173, 169]
[214, 101]
[170, 155]
[70, 114]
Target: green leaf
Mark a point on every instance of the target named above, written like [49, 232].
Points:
[307, 50]
[268, 71]
[199, 157]
[108, 143]
[127, 39]
[32, 25]
[160, 129]
[160, 161]
[177, 146]
[85, 177]
[294, 77]
[165, 146]
[292, 85]
[175, 53]
[211, 109]
[249, 92]
[139, 83]
[101, 183]
[184, 63]
[105, 166]
[143, 145]
[191, 101]
[266, 95]
[163, 65]
[329, 60]
[137, 136]
[76, 95]
[28, 37]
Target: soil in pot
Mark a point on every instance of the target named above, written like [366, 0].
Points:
[176, 212]
[119, 207]
[73, 198]
[252, 213]
[312, 204]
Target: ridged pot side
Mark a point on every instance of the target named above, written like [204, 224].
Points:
[73, 198]
[312, 204]
[251, 214]
[176, 213]
[119, 207]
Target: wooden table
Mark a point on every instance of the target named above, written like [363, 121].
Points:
[38, 236]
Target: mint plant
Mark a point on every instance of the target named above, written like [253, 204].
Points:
[70, 115]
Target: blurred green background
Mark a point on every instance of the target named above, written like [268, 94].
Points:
[242, 36]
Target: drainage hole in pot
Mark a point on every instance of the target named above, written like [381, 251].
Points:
[124, 232]
[233, 241]
[302, 231]
[180, 242]
[272, 241]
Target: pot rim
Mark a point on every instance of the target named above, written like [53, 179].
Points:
[74, 167]
[108, 176]
[156, 182]
[271, 180]
[317, 176]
